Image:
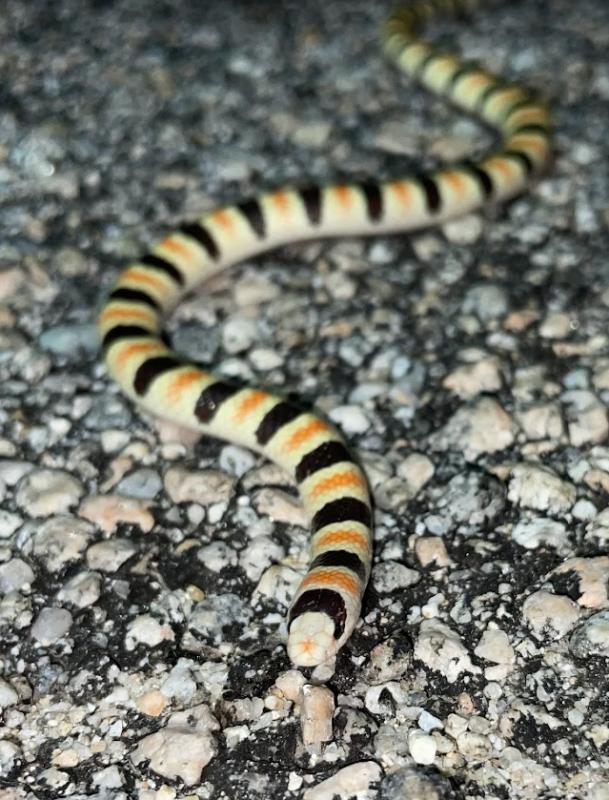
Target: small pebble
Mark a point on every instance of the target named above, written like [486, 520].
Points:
[422, 747]
[540, 531]
[317, 709]
[51, 625]
[350, 419]
[45, 491]
[537, 487]
[83, 590]
[550, 616]
[431, 550]
[108, 556]
[8, 695]
[592, 638]
[198, 486]
[15, 575]
[108, 511]
[351, 781]
[181, 749]
[388, 576]
[143, 484]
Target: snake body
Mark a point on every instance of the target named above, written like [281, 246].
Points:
[332, 486]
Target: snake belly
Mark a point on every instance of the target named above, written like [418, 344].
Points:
[332, 486]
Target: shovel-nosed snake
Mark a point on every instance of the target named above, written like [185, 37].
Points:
[332, 486]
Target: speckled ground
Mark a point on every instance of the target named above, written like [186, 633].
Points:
[145, 575]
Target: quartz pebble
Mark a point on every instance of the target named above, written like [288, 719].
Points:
[550, 616]
[473, 379]
[8, 695]
[592, 638]
[61, 540]
[198, 486]
[442, 650]
[317, 708]
[108, 511]
[183, 747]
[51, 625]
[540, 531]
[83, 590]
[108, 556]
[389, 576]
[45, 491]
[593, 579]
[484, 427]
[351, 781]
[417, 470]
[15, 576]
[147, 630]
[422, 747]
[494, 646]
[431, 550]
[537, 487]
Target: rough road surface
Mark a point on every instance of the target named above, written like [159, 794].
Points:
[145, 575]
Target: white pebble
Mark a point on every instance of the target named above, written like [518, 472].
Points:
[550, 616]
[198, 486]
[534, 486]
[471, 379]
[9, 753]
[422, 747]
[145, 629]
[494, 646]
[556, 325]
[593, 578]
[281, 506]
[238, 334]
[9, 523]
[59, 540]
[107, 556]
[317, 709]
[431, 550]
[391, 575]
[350, 419]
[484, 427]
[51, 625]
[8, 695]
[587, 421]
[592, 638]
[417, 470]
[348, 782]
[532, 533]
[183, 748]
[82, 590]
[47, 491]
[441, 649]
[216, 556]
[15, 575]
[236, 460]
[108, 511]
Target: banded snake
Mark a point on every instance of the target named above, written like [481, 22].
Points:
[332, 486]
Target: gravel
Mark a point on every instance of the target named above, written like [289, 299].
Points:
[145, 574]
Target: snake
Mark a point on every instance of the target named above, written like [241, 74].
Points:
[331, 484]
